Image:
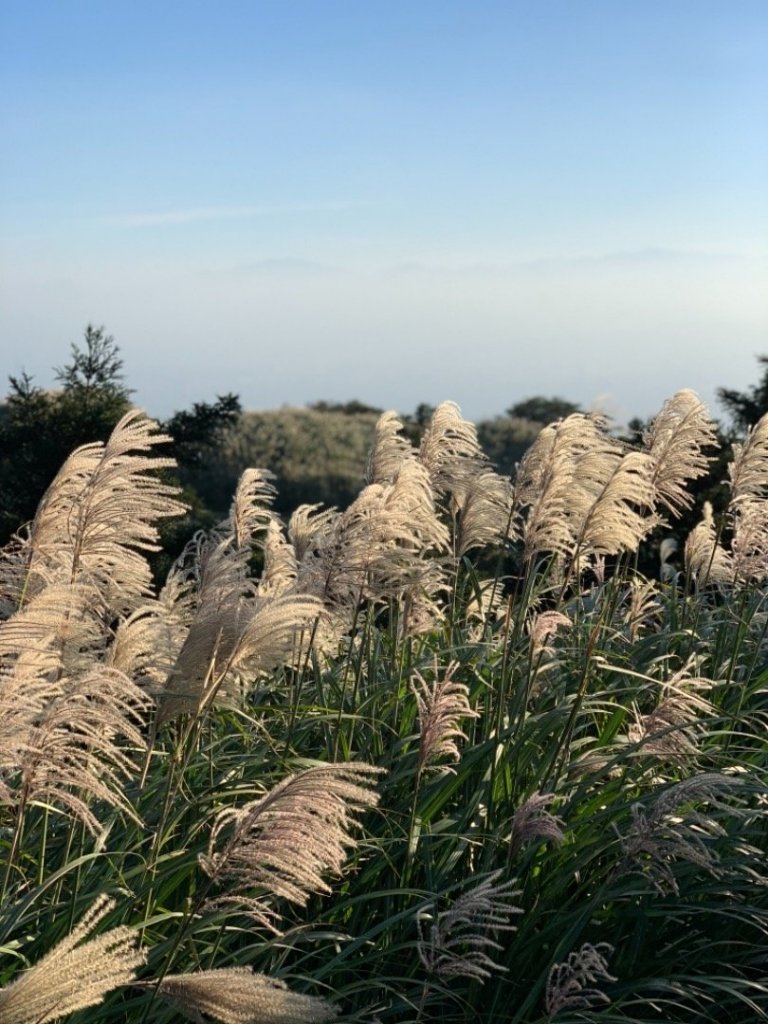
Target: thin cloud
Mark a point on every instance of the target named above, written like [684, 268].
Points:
[168, 218]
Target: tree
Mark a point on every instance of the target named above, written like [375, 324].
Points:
[96, 371]
[746, 407]
[542, 410]
[40, 428]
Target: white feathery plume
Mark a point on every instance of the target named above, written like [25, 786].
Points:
[670, 731]
[672, 830]
[411, 497]
[706, 560]
[488, 603]
[389, 450]
[76, 974]
[544, 625]
[309, 527]
[559, 478]
[78, 749]
[441, 707]
[615, 521]
[419, 613]
[572, 985]
[533, 822]
[286, 842]
[486, 514]
[749, 546]
[377, 548]
[250, 635]
[57, 618]
[748, 472]
[25, 689]
[674, 442]
[643, 607]
[667, 549]
[281, 568]
[251, 513]
[99, 514]
[237, 995]
[461, 941]
[451, 452]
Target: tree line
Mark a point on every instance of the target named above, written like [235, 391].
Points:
[317, 454]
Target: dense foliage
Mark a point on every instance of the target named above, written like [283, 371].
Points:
[369, 782]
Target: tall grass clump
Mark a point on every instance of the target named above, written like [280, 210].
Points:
[440, 755]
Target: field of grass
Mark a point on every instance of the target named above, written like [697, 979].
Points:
[445, 756]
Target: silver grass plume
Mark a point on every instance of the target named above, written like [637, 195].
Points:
[236, 995]
[615, 522]
[240, 635]
[706, 560]
[76, 974]
[674, 442]
[533, 822]
[338, 567]
[572, 985]
[251, 513]
[59, 619]
[542, 626]
[14, 562]
[99, 515]
[77, 752]
[462, 940]
[564, 470]
[673, 830]
[488, 603]
[643, 608]
[281, 567]
[147, 643]
[421, 610]
[441, 708]
[451, 452]
[380, 546]
[411, 496]
[670, 731]
[389, 450]
[283, 844]
[25, 689]
[485, 518]
[748, 472]
[667, 550]
[310, 526]
[749, 546]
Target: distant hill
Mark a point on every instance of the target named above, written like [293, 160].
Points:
[316, 455]
[320, 454]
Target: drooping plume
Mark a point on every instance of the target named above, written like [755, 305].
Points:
[287, 842]
[462, 940]
[705, 558]
[572, 985]
[675, 442]
[237, 995]
[442, 705]
[388, 451]
[76, 974]
[99, 515]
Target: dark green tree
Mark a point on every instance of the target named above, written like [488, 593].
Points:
[542, 410]
[38, 428]
[746, 407]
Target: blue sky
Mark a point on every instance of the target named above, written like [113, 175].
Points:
[391, 201]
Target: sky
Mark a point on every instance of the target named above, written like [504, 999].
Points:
[395, 201]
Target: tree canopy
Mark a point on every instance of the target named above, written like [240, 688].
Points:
[746, 407]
